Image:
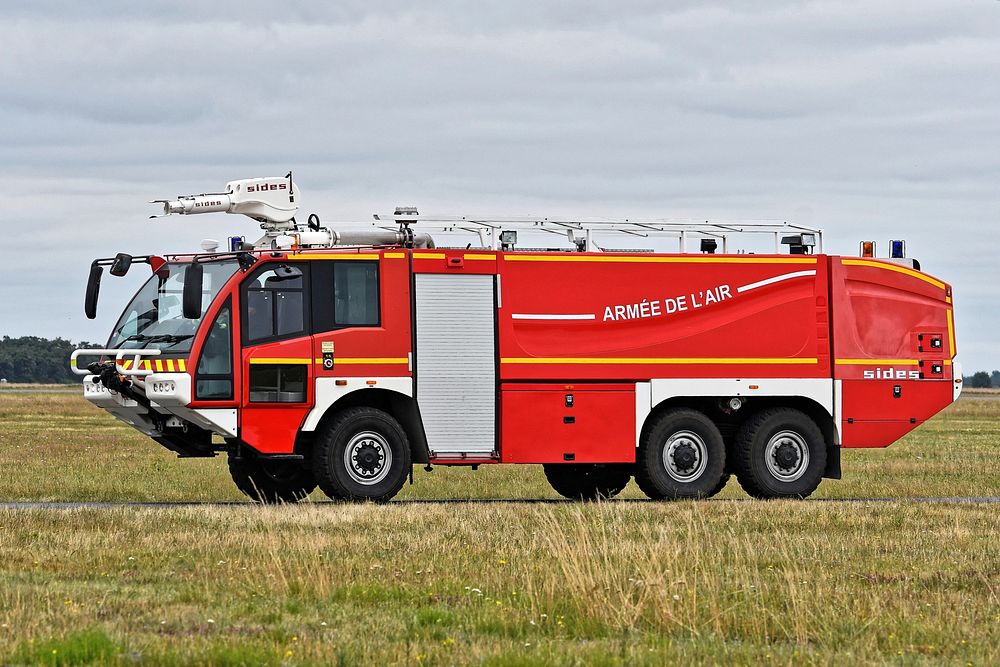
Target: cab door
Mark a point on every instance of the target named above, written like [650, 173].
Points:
[277, 360]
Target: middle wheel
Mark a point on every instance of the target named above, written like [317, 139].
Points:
[586, 481]
[681, 456]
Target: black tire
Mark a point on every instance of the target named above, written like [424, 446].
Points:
[270, 482]
[692, 446]
[378, 449]
[585, 481]
[780, 453]
[721, 485]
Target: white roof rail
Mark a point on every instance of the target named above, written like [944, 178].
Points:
[580, 230]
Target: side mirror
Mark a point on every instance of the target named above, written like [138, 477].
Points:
[194, 277]
[93, 287]
[120, 265]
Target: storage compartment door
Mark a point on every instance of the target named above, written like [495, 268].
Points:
[568, 423]
[456, 363]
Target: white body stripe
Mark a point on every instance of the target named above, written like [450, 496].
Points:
[544, 316]
[328, 393]
[824, 391]
[643, 406]
[775, 279]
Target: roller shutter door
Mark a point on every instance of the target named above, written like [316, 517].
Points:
[456, 362]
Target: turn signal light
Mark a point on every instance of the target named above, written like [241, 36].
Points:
[867, 248]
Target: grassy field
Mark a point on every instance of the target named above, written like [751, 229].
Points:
[458, 574]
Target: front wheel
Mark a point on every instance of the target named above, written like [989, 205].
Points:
[269, 482]
[681, 456]
[362, 455]
[583, 481]
[780, 454]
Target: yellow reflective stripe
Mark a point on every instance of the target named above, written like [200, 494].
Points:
[334, 256]
[869, 362]
[473, 256]
[182, 365]
[276, 360]
[951, 333]
[337, 360]
[72, 363]
[126, 364]
[367, 360]
[394, 255]
[657, 360]
[170, 365]
[569, 257]
[428, 255]
[893, 267]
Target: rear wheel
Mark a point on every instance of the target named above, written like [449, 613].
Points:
[583, 481]
[681, 456]
[362, 455]
[266, 481]
[780, 454]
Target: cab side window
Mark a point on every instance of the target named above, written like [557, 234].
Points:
[345, 294]
[274, 305]
[214, 375]
[355, 289]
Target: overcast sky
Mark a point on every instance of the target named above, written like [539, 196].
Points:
[876, 119]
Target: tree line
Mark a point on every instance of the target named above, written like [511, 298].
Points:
[32, 359]
[982, 380]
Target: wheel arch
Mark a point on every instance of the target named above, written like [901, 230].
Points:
[401, 407]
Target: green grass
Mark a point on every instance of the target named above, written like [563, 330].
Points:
[493, 583]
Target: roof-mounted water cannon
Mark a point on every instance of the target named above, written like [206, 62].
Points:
[270, 201]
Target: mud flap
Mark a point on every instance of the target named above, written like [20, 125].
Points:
[832, 463]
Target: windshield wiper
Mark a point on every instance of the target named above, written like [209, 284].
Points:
[173, 339]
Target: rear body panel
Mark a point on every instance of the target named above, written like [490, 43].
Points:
[894, 343]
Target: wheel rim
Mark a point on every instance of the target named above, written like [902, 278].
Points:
[368, 458]
[787, 456]
[685, 456]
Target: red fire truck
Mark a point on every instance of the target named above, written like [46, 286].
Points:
[340, 359]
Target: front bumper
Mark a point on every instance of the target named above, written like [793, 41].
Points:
[169, 395]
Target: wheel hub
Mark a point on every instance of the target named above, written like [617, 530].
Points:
[786, 455]
[368, 459]
[685, 456]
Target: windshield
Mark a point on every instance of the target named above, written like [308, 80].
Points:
[154, 318]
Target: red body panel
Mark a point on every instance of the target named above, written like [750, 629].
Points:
[381, 351]
[638, 317]
[537, 426]
[271, 428]
[894, 344]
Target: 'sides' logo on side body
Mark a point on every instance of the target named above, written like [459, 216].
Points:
[891, 374]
